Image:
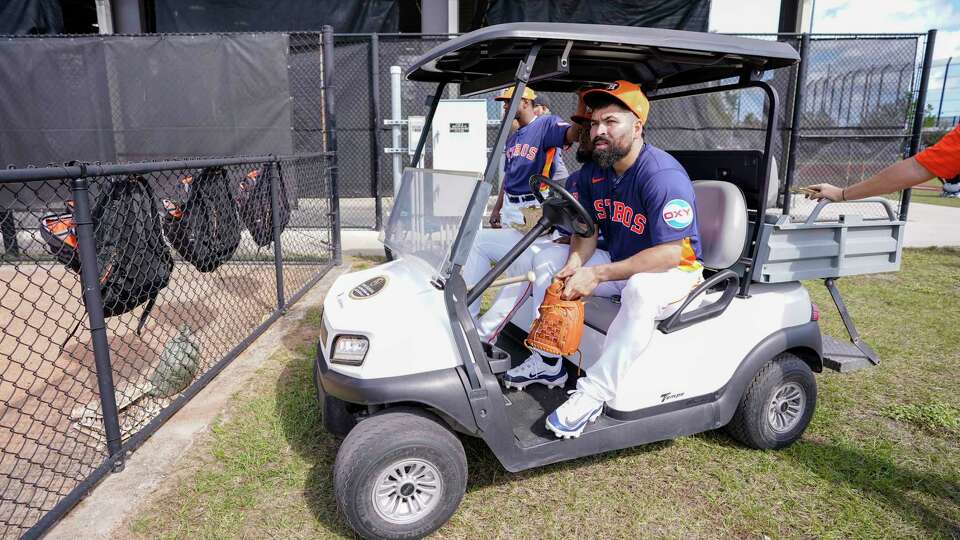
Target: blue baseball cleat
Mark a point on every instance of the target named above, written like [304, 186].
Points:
[535, 370]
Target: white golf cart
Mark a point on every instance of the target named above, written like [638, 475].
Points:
[400, 370]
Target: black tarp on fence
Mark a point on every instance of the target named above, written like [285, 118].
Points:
[289, 15]
[675, 14]
[31, 17]
[133, 98]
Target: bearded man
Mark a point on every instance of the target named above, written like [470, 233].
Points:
[643, 203]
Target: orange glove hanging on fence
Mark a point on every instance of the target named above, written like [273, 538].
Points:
[560, 326]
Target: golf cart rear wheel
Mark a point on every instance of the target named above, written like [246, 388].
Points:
[777, 406]
[399, 474]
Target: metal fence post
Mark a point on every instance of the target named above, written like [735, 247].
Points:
[798, 93]
[275, 195]
[89, 275]
[943, 89]
[395, 114]
[918, 113]
[331, 128]
[375, 128]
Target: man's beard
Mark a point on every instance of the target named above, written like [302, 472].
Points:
[606, 157]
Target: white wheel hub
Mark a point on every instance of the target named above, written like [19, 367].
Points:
[786, 407]
[407, 490]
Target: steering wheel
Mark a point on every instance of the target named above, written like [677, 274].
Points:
[563, 209]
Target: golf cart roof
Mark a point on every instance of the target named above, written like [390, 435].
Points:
[487, 59]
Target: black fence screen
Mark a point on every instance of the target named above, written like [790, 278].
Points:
[236, 94]
[148, 97]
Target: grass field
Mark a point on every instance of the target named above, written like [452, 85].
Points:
[880, 460]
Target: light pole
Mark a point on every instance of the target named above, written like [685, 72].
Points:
[943, 89]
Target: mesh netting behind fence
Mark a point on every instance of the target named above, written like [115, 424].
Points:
[200, 240]
[857, 111]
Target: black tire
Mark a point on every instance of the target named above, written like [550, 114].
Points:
[399, 440]
[755, 424]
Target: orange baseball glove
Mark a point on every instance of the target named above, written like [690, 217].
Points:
[560, 326]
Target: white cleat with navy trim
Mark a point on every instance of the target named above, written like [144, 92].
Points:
[571, 418]
[535, 370]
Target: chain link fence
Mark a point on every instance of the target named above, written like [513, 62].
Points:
[857, 112]
[125, 288]
[857, 105]
[191, 261]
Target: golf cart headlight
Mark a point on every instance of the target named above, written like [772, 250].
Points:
[350, 350]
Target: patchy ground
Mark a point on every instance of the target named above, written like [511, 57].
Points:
[881, 458]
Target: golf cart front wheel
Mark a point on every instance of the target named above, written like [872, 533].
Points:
[399, 474]
[777, 406]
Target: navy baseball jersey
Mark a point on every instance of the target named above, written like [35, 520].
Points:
[651, 204]
[526, 151]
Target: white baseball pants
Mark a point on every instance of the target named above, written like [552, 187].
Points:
[645, 298]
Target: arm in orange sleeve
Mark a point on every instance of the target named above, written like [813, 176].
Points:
[943, 159]
[900, 175]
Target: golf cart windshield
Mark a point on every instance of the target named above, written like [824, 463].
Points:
[428, 213]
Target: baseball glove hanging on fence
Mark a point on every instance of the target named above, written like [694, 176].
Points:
[560, 326]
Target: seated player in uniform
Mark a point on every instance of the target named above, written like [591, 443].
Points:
[643, 203]
[529, 151]
[509, 299]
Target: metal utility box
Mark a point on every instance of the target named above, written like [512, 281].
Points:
[414, 129]
[460, 135]
[829, 248]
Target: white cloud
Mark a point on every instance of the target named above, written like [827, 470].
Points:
[744, 16]
[849, 16]
[948, 44]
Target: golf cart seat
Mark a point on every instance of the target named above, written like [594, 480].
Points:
[740, 167]
[722, 219]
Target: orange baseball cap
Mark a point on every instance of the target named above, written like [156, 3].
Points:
[627, 93]
[507, 93]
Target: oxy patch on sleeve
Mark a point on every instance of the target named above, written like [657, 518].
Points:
[678, 214]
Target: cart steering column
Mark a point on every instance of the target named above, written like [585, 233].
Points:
[559, 208]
